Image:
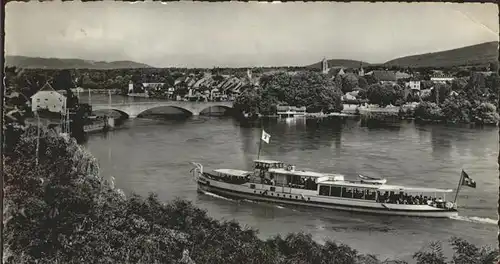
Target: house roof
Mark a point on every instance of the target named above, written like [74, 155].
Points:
[47, 87]
[402, 75]
[384, 75]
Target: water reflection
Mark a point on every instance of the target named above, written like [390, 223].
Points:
[392, 124]
[440, 142]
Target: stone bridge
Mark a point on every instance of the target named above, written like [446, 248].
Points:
[133, 109]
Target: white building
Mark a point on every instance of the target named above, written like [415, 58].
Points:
[441, 78]
[49, 99]
[413, 85]
[130, 87]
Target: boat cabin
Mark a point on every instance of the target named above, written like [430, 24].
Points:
[231, 176]
[268, 164]
[389, 194]
[261, 170]
[289, 177]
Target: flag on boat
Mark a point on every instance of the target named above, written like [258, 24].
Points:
[467, 181]
[265, 136]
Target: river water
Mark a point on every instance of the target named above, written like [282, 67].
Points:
[153, 155]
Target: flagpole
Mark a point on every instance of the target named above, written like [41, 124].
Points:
[459, 185]
[37, 136]
[260, 144]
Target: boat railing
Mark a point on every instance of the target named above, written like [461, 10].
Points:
[415, 200]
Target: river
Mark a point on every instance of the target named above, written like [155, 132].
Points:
[153, 155]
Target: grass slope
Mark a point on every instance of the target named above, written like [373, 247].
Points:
[54, 63]
[481, 54]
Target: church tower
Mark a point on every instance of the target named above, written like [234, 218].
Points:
[324, 66]
[361, 71]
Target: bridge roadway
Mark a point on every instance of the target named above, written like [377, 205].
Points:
[133, 109]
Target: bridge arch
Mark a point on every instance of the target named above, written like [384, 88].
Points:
[121, 112]
[226, 107]
[183, 109]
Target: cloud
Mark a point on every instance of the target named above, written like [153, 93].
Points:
[243, 34]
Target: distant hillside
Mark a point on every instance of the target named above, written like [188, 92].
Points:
[481, 54]
[54, 63]
[340, 63]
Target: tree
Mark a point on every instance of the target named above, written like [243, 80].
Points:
[248, 102]
[456, 110]
[434, 255]
[349, 82]
[440, 93]
[310, 89]
[458, 85]
[494, 67]
[485, 113]
[428, 111]
[383, 95]
[363, 83]
[371, 79]
[492, 82]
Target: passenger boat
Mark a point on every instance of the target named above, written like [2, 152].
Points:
[273, 181]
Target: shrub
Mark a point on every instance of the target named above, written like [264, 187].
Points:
[485, 113]
[428, 111]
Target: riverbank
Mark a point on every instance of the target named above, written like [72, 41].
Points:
[107, 227]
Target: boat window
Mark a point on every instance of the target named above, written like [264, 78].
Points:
[324, 190]
[252, 186]
[346, 192]
[335, 191]
[370, 194]
[358, 193]
[272, 189]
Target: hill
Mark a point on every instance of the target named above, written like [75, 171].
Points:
[340, 63]
[54, 63]
[480, 54]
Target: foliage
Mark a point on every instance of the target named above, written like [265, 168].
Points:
[434, 255]
[439, 93]
[248, 102]
[370, 79]
[310, 89]
[485, 113]
[349, 82]
[456, 110]
[465, 253]
[406, 112]
[384, 95]
[362, 82]
[428, 111]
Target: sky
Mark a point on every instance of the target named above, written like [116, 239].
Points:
[233, 34]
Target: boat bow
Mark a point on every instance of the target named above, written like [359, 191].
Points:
[197, 171]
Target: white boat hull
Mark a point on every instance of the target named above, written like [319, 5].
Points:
[301, 197]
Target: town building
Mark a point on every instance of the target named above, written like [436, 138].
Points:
[384, 77]
[48, 99]
[441, 78]
[413, 85]
[152, 86]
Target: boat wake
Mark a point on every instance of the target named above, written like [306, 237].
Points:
[475, 219]
[217, 196]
